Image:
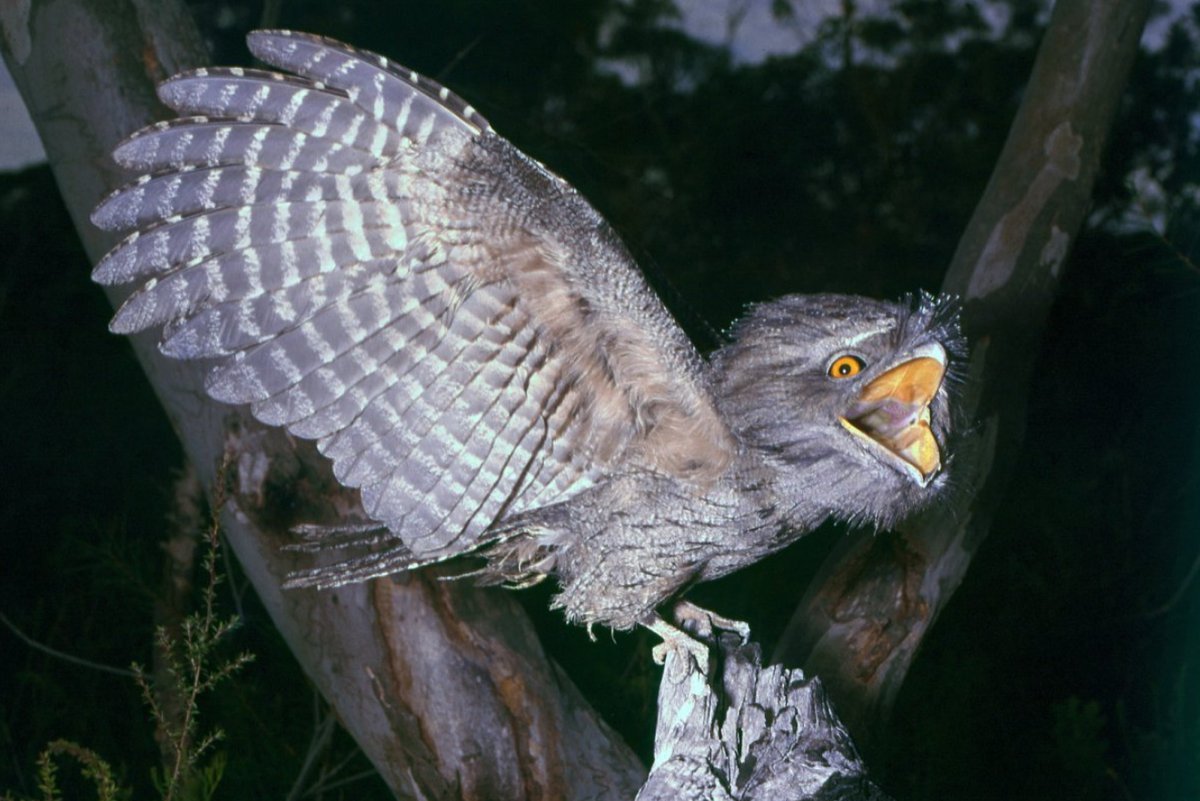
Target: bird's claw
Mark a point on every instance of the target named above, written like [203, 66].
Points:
[703, 623]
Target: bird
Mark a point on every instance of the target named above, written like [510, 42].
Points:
[366, 263]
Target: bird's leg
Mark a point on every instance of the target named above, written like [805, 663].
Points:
[701, 622]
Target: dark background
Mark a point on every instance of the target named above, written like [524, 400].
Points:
[1065, 667]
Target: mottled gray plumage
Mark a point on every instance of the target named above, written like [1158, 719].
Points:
[372, 267]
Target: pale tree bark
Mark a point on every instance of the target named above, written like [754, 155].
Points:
[862, 620]
[444, 686]
[731, 730]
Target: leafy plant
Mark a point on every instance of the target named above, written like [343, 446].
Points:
[91, 765]
[191, 667]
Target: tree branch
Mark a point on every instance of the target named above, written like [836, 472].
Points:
[731, 730]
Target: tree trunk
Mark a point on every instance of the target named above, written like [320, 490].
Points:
[443, 685]
[862, 620]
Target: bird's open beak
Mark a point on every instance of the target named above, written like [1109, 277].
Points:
[891, 414]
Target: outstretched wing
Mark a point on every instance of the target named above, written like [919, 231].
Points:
[372, 267]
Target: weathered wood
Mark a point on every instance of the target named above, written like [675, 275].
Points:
[732, 730]
[444, 686]
[865, 615]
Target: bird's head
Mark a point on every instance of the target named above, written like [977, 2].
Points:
[849, 396]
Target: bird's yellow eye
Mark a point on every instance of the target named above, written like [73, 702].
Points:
[846, 366]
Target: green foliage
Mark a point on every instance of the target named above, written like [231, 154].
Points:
[200, 784]
[91, 766]
[191, 667]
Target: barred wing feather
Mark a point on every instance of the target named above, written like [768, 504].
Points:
[373, 268]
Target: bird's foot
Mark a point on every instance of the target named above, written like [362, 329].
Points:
[675, 640]
[699, 621]
[693, 627]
